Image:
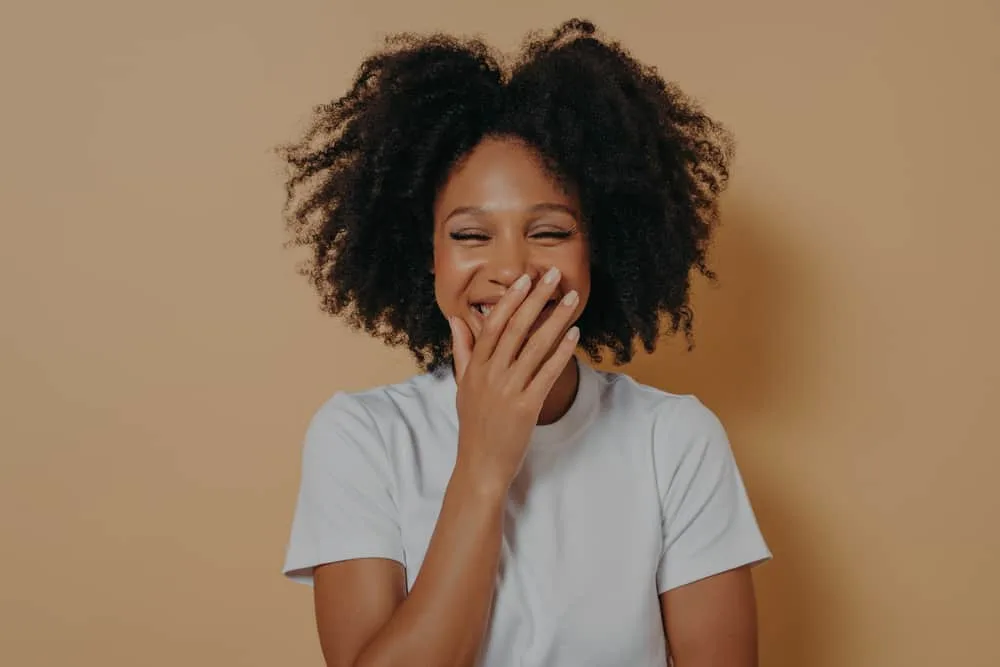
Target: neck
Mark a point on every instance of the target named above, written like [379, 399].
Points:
[562, 394]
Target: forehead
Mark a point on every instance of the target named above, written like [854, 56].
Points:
[500, 174]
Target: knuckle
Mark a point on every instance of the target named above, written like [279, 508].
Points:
[531, 350]
[512, 297]
[524, 404]
[522, 321]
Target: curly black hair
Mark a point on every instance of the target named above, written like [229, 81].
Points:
[646, 162]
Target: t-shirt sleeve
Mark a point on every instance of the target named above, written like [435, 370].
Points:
[708, 526]
[345, 507]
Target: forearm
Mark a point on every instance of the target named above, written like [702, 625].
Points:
[443, 620]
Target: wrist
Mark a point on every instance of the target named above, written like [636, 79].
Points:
[478, 481]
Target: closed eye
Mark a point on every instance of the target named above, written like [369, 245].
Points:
[480, 237]
[468, 236]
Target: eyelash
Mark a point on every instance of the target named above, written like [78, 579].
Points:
[465, 236]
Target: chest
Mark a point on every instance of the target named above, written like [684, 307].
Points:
[581, 544]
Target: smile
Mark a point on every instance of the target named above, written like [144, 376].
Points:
[483, 310]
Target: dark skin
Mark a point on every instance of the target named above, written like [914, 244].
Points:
[496, 220]
[501, 226]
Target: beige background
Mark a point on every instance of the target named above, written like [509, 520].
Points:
[160, 358]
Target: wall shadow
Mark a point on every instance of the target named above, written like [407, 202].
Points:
[743, 367]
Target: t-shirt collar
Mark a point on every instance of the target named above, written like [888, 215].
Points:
[567, 427]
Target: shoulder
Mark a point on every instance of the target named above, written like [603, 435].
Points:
[670, 415]
[372, 411]
[673, 430]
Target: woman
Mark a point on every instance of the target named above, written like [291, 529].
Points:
[510, 505]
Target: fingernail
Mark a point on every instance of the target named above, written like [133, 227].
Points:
[571, 299]
[522, 282]
[551, 276]
[573, 333]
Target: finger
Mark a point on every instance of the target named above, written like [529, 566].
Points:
[550, 371]
[461, 346]
[525, 317]
[497, 321]
[542, 343]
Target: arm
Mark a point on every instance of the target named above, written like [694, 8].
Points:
[712, 622]
[711, 542]
[363, 618]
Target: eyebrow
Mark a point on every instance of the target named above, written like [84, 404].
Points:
[537, 208]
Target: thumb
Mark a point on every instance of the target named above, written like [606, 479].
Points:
[461, 346]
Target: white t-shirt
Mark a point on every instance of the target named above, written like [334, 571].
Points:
[633, 492]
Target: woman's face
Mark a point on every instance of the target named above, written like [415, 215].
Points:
[498, 216]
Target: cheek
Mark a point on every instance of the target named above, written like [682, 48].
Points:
[451, 276]
[577, 270]
[583, 288]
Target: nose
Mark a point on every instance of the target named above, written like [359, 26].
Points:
[509, 260]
